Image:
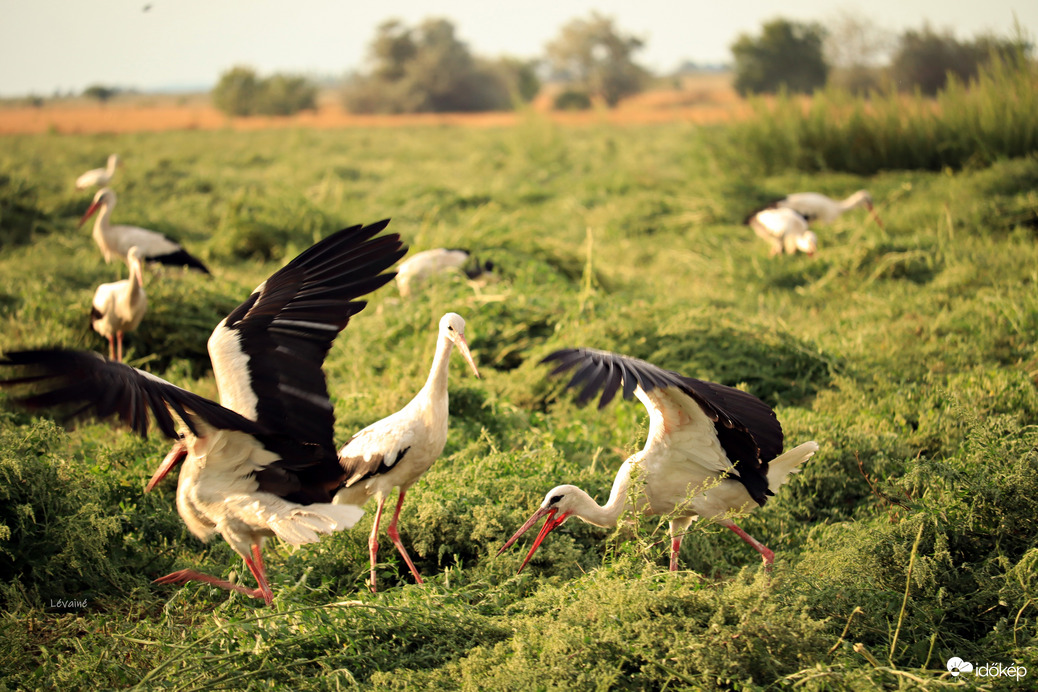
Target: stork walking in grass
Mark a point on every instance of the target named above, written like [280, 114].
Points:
[99, 177]
[116, 241]
[422, 265]
[785, 230]
[397, 450]
[712, 452]
[818, 208]
[263, 463]
[119, 307]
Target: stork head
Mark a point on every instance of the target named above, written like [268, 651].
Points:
[559, 504]
[114, 160]
[104, 198]
[807, 242]
[452, 328]
[862, 198]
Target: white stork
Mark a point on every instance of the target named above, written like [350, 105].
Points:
[397, 450]
[119, 307]
[263, 463]
[712, 451]
[99, 177]
[117, 240]
[817, 208]
[422, 265]
[785, 230]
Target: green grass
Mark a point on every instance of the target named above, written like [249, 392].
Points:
[971, 124]
[908, 353]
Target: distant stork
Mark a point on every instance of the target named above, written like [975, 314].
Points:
[115, 241]
[712, 452]
[817, 208]
[422, 265]
[397, 450]
[119, 307]
[785, 230]
[99, 177]
[263, 463]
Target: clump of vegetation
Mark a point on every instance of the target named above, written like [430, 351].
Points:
[971, 123]
[787, 56]
[428, 69]
[598, 58]
[909, 353]
[21, 218]
[241, 92]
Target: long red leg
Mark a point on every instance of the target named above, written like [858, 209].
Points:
[185, 575]
[373, 542]
[769, 557]
[395, 536]
[119, 340]
[111, 348]
[259, 571]
[675, 547]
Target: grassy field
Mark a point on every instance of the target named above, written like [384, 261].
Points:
[908, 353]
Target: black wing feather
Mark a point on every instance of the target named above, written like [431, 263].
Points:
[287, 328]
[746, 427]
[82, 385]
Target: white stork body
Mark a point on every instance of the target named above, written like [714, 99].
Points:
[818, 208]
[423, 265]
[99, 177]
[263, 463]
[397, 450]
[785, 230]
[119, 307]
[712, 452]
[116, 241]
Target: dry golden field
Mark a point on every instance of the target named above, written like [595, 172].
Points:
[702, 99]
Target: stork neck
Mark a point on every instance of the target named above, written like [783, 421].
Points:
[855, 200]
[104, 216]
[609, 513]
[436, 384]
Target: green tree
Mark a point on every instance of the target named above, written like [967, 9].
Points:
[237, 91]
[924, 58]
[100, 93]
[425, 69]
[282, 94]
[596, 56]
[787, 54]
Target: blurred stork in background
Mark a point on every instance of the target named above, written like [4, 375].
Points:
[99, 177]
[420, 266]
[119, 307]
[116, 241]
[818, 208]
[785, 230]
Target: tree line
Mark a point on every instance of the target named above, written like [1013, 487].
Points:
[428, 68]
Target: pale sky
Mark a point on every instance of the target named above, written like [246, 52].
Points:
[47, 45]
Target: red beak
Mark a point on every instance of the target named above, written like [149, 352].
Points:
[175, 456]
[550, 524]
[875, 217]
[89, 212]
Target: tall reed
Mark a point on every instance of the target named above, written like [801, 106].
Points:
[967, 124]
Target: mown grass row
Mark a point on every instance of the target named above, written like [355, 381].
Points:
[909, 353]
[971, 124]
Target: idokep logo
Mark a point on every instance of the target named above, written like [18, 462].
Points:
[956, 666]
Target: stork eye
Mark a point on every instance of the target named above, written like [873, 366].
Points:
[555, 500]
